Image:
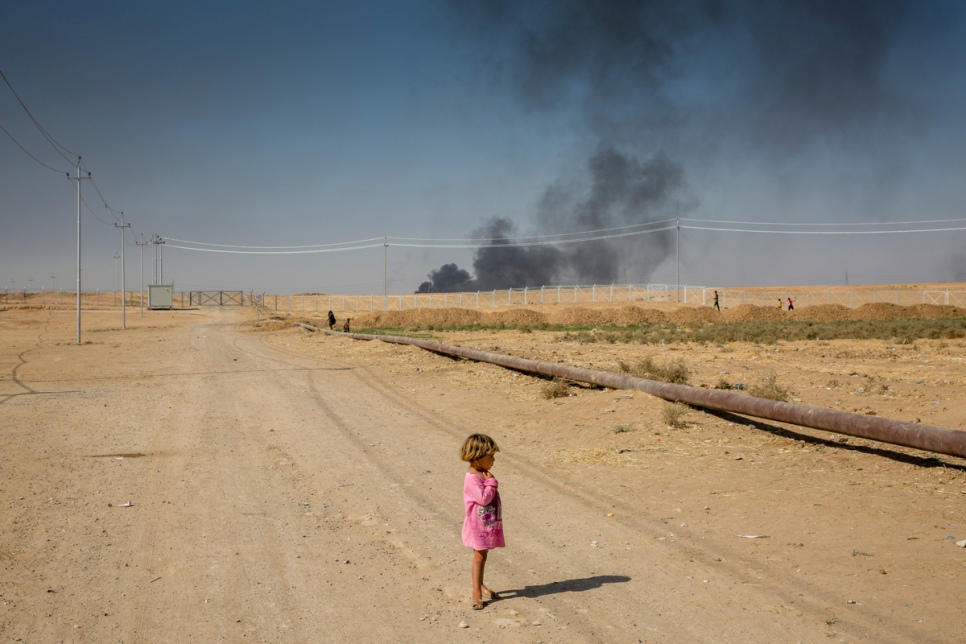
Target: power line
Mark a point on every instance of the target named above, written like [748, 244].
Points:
[826, 232]
[553, 242]
[53, 142]
[569, 238]
[536, 237]
[360, 241]
[27, 152]
[275, 252]
[855, 223]
[509, 242]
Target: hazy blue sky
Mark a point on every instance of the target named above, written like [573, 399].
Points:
[310, 123]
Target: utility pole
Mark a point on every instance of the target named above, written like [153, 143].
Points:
[158, 259]
[385, 271]
[677, 254]
[117, 256]
[141, 244]
[78, 179]
[121, 227]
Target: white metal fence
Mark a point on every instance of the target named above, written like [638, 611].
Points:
[614, 294]
[504, 298]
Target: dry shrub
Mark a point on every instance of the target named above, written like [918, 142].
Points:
[674, 413]
[556, 389]
[675, 372]
[770, 389]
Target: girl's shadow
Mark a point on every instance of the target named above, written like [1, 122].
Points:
[567, 586]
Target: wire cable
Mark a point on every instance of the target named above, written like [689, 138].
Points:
[857, 223]
[91, 210]
[537, 237]
[824, 232]
[271, 252]
[53, 142]
[197, 243]
[27, 152]
[115, 213]
[545, 240]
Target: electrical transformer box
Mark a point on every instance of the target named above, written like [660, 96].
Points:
[160, 296]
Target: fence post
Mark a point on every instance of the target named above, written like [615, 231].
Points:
[509, 297]
[558, 294]
[477, 299]
[593, 293]
[541, 294]
[525, 296]
[493, 301]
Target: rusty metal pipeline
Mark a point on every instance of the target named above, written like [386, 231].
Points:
[931, 438]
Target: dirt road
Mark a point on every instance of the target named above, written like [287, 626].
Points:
[188, 479]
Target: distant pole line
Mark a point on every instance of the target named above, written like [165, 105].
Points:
[567, 238]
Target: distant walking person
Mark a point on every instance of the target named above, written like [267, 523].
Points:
[791, 307]
[331, 320]
[780, 303]
[718, 308]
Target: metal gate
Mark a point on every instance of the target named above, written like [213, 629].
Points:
[216, 298]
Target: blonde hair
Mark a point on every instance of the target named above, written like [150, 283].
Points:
[476, 446]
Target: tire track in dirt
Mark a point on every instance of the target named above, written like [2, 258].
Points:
[535, 521]
[688, 559]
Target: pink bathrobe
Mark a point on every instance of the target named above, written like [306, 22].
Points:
[483, 526]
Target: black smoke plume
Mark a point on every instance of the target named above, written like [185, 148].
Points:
[785, 79]
[619, 191]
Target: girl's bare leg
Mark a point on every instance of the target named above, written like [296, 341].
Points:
[479, 565]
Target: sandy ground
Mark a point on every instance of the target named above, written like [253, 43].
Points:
[192, 478]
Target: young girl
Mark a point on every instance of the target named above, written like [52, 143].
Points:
[483, 525]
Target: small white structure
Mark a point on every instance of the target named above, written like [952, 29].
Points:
[160, 296]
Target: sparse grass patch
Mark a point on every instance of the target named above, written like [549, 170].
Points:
[769, 332]
[621, 429]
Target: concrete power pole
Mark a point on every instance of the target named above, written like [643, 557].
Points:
[141, 244]
[78, 179]
[121, 226]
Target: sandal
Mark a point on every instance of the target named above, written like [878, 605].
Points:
[477, 604]
[489, 594]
